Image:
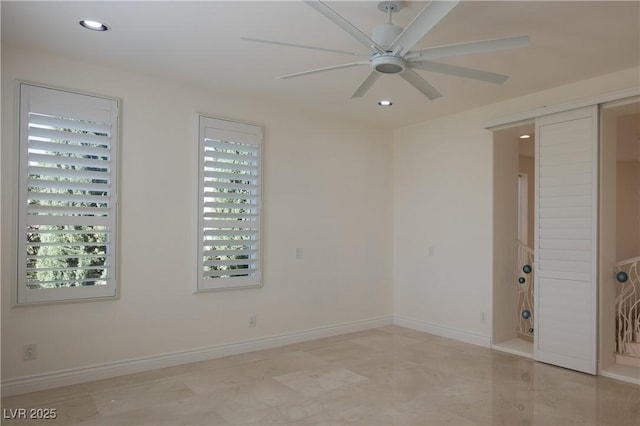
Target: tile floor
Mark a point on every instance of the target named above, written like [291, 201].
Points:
[386, 376]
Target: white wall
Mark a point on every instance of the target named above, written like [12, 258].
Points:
[328, 189]
[443, 198]
[328, 186]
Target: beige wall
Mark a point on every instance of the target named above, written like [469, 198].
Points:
[607, 241]
[443, 193]
[627, 209]
[328, 186]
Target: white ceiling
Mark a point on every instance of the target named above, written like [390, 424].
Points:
[199, 43]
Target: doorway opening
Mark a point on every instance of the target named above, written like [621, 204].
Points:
[514, 188]
[620, 238]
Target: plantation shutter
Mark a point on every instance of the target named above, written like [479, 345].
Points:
[67, 196]
[229, 205]
[566, 239]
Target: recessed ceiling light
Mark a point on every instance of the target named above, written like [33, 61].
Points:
[94, 25]
[385, 103]
[525, 136]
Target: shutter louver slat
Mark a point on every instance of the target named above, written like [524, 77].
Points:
[80, 186]
[247, 232]
[69, 246]
[218, 253]
[219, 165]
[208, 216]
[62, 197]
[231, 176]
[229, 273]
[70, 173]
[68, 161]
[246, 208]
[227, 185]
[86, 268]
[234, 262]
[44, 230]
[62, 123]
[225, 155]
[248, 150]
[241, 195]
[68, 136]
[64, 148]
[70, 211]
[66, 282]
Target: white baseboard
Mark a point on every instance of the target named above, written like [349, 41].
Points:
[439, 330]
[515, 346]
[623, 373]
[38, 382]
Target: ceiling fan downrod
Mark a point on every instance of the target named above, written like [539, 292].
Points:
[385, 34]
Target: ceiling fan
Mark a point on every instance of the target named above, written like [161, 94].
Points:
[390, 47]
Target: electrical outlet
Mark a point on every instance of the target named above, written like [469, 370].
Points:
[299, 253]
[29, 352]
[252, 321]
[483, 317]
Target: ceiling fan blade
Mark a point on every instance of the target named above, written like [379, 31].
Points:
[428, 17]
[366, 84]
[347, 26]
[421, 84]
[469, 48]
[461, 71]
[335, 67]
[302, 46]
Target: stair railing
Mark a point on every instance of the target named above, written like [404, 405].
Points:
[524, 297]
[628, 307]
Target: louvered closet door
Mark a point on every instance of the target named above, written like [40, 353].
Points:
[566, 238]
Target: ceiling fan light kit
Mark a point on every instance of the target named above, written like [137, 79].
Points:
[390, 48]
[388, 64]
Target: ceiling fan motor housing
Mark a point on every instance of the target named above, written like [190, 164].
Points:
[385, 34]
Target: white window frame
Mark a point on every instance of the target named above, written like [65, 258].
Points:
[82, 111]
[246, 141]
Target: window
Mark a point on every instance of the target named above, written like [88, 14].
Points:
[67, 195]
[229, 189]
